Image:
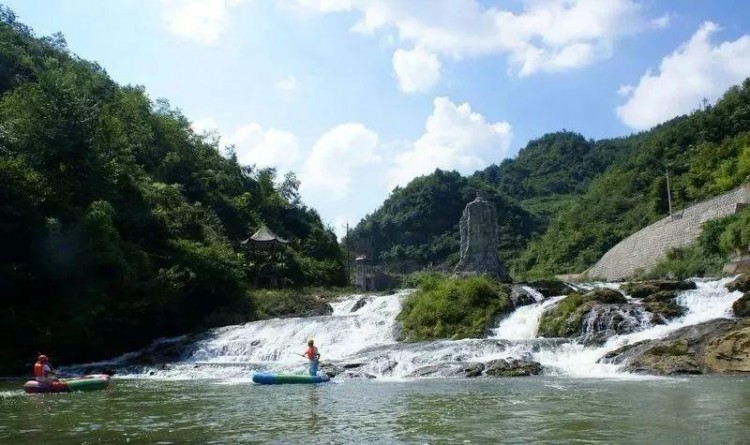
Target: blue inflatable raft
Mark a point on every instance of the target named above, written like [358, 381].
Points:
[272, 378]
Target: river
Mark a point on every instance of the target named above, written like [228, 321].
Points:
[205, 394]
[542, 410]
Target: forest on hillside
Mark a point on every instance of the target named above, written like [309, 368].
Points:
[563, 201]
[120, 224]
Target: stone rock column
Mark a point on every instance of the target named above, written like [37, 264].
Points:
[478, 228]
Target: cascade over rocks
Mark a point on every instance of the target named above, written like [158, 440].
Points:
[643, 289]
[567, 317]
[606, 320]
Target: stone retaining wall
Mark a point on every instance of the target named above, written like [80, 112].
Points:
[646, 247]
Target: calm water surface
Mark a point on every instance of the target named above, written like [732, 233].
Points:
[543, 410]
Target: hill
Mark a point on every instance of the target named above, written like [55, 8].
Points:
[118, 223]
[578, 197]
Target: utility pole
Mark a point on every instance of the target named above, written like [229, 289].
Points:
[348, 256]
[669, 196]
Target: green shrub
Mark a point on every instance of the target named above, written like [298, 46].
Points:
[445, 307]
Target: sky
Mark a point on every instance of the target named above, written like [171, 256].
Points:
[360, 96]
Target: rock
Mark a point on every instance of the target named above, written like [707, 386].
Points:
[689, 350]
[606, 296]
[741, 307]
[353, 365]
[566, 318]
[664, 296]
[426, 371]
[473, 369]
[358, 375]
[729, 352]
[603, 321]
[667, 358]
[664, 311]
[741, 283]
[332, 370]
[479, 240]
[643, 289]
[512, 368]
[521, 297]
[551, 288]
[358, 305]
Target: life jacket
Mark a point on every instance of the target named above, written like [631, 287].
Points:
[39, 370]
[312, 353]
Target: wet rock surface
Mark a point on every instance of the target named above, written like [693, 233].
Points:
[551, 288]
[717, 346]
[521, 296]
[512, 368]
[643, 289]
[741, 283]
[603, 321]
[741, 307]
[360, 304]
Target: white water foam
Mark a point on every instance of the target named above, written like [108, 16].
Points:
[523, 323]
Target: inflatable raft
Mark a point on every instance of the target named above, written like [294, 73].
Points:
[272, 378]
[92, 382]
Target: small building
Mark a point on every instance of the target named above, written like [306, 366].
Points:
[369, 276]
[268, 258]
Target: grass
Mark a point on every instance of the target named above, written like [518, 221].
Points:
[444, 307]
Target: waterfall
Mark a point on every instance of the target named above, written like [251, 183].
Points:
[523, 323]
[361, 336]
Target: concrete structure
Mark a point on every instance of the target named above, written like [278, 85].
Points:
[370, 277]
[479, 233]
[645, 248]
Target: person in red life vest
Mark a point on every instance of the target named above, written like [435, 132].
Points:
[43, 371]
[313, 355]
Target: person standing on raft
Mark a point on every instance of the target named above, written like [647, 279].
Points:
[313, 355]
[43, 372]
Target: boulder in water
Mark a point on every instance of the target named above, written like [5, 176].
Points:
[473, 369]
[663, 296]
[512, 368]
[359, 304]
[643, 289]
[551, 288]
[741, 283]
[521, 296]
[331, 369]
[714, 346]
[606, 296]
[664, 311]
[729, 352]
[741, 307]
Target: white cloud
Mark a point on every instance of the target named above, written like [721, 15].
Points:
[205, 125]
[336, 156]
[696, 70]
[203, 21]
[663, 21]
[456, 138]
[417, 70]
[289, 83]
[265, 148]
[546, 35]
